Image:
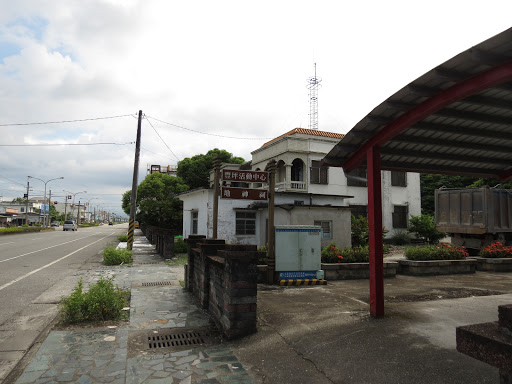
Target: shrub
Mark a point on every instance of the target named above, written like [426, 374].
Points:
[423, 226]
[113, 256]
[123, 238]
[180, 246]
[442, 251]
[263, 258]
[102, 302]
[332, 254]
[359, 228]
[496, 249]
[400, 238]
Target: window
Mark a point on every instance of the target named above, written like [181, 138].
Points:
[195, 216]
[400, 216]
[326, 228]
[318, 173]
[245, 223]
[22, 209]
[351, 182]
[398, 179]
[359, 210]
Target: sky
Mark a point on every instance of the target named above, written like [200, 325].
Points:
[206, 74]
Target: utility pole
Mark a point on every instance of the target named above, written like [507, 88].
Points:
[271, 259]
[78, 214]
[48, 211]
[26, 211]
[216, 193]
[133, 202]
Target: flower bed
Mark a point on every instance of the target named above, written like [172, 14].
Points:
[495, 258]
[442, 259]
[332, 254]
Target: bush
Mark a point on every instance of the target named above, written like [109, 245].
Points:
[495, 250]
[400, 238]
[359, 227]
[123, 238]
[113, 256]
[442, 251]
[102, 302]
[180, 246]
[423, 226]
[332, 254]
[263, 258]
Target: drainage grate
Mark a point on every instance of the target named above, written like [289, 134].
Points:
[179, 340]
[158, 283]
[149, 263]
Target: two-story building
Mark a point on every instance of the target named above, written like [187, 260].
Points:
[307, 193]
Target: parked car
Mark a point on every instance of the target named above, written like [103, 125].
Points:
[137, 225]
[110, 223]
[55, 224]
[69, 225]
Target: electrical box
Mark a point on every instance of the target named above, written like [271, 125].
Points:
[298, 248]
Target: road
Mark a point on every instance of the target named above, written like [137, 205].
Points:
[36, 270]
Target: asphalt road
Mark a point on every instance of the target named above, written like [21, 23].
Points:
[36, 270]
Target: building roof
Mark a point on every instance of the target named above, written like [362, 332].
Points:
[304, 131]
[455, 119]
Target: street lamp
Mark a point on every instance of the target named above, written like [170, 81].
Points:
[87, 204]
[66, 201]
[44, 199]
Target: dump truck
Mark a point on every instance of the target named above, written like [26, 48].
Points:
[475, 217]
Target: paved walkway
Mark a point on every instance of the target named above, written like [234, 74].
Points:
[117, 355]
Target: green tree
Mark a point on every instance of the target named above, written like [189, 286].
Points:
[19, 200]
[157, 202]
[423, 226]
[195, 171]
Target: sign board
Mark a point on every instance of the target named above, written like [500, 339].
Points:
[292, 275]
[243, 193]
[245, 176]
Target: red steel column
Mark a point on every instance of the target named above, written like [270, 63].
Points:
[375, 232]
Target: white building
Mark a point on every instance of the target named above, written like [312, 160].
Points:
[306, 194]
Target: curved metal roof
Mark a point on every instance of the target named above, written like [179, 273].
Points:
[455, 119]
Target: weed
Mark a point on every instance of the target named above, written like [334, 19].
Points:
[104, 301]
[113, 256]
[179, 259]
[180, 246]
[122, 238]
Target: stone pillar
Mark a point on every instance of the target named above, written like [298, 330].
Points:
[240, 296]
[191, 241]
[288, 177]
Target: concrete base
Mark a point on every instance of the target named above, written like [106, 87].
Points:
[436, 267]
[352, 271]
[494, 264]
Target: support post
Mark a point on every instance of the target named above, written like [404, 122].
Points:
[216, 193]
[373, 162]
[26, 211]
[271, 247]
[133, 201]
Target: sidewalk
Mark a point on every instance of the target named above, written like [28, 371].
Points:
[119, 354]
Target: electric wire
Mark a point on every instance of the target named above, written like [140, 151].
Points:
[206, 133]
[65, 121]
[170, 150]
[62, 144]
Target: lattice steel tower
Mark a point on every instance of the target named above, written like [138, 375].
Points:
[313, 85]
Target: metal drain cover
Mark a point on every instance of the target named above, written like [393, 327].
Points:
[176, 339]
[168, 283]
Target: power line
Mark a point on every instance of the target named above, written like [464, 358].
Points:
[10, 181]
[209, 134]
[154, 153]
[62, 144]
[66, 121]
[162, 139]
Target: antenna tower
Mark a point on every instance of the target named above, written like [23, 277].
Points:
[313, 85]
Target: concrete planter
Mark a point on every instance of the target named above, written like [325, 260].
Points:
[352, 271]
[494, 264]
[436, 267]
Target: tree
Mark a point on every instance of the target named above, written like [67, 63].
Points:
[195, 171]
[157, 202]
[19, 200]
[423, 226]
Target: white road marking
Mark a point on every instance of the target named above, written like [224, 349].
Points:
[50, 264]
[44, 249]
[10, 242]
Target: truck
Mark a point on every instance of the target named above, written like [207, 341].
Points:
[474, 217]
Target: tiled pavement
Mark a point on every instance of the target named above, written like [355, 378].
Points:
[105, 355]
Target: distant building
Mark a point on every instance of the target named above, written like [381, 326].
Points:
[306, 193]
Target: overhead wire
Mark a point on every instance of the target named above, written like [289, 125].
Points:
[66, 121]
[207, 133]
[62, 144]
[163, 141]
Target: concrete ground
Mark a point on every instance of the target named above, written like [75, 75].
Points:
[319, 334]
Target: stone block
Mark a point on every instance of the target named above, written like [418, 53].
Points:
[505, 316]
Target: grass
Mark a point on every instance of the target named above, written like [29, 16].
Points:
[179, 259]
[21, 229]
[123, 238]
[103, 302]
[113, 256]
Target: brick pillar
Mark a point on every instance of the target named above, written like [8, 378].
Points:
[191, 241]
[168, 244]
[208, 247]
[240, 296]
